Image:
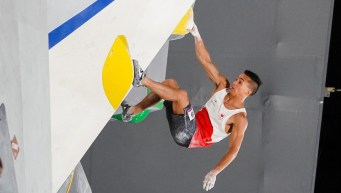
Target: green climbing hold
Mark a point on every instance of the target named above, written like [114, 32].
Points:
[144, 114]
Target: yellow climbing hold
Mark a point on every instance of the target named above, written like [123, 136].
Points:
[118, 72]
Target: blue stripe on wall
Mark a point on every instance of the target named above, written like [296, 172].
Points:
[76, 21]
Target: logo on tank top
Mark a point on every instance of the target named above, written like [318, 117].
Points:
[214, 102]
[221, 115]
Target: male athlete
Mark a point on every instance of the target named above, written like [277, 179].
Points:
[223, 114]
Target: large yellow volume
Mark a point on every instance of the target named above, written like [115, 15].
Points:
[118, 72]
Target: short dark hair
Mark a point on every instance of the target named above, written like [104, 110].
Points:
[255, 78]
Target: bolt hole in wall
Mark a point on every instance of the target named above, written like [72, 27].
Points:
[328, 172]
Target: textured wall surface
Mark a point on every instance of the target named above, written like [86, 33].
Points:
[24, 90]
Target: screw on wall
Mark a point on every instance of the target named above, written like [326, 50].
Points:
[331, 90]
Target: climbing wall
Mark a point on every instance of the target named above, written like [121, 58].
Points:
[52, 56]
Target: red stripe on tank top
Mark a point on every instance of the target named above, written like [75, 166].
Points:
[202, 136]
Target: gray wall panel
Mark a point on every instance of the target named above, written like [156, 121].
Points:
[10, 87]
[237, 28]
[296, 76]
[23, 85]
[34, 73]
[289, 140]
[302, 27]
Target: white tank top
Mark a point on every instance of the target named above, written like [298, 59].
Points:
[219, 115]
